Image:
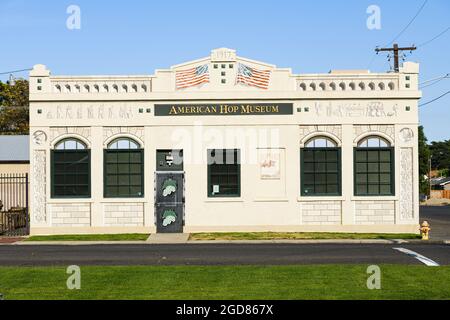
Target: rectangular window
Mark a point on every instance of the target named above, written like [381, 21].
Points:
[224, 173]
[70, 174]
[124, 173]
[320, 171]
[374, 172]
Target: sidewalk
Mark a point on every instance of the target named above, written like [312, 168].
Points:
[183, 240]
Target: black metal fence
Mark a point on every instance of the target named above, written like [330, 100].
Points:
[14, 205]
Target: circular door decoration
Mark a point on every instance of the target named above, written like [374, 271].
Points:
[169, 187]
[39, 137]
[169, 217]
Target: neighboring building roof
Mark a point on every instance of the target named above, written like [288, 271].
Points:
[14, 148]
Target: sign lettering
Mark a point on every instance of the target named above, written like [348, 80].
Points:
[164, 110]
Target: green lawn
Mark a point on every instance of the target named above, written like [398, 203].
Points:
[95, 237]
[299, 236]
[233, 282]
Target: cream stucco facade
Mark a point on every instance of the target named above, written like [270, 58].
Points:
[345, 106]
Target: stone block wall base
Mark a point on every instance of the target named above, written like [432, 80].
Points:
[90, 230]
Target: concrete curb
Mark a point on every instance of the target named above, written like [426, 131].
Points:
[74, 243]
[250, 242]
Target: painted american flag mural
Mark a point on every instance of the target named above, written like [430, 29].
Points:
[245, 75]
[253, 77]
[192, 77]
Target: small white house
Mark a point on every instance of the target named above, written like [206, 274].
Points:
[224, 143]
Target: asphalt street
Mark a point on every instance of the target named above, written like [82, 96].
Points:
[238, 254]
[221, 254]
[439, 219]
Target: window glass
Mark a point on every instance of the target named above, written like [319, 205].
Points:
[374, 168]
[124, 169]
[320, 168]
[70, 170]
[224, 173]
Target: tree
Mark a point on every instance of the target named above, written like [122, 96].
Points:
[424, 156]
[440, 152]
[14, 107]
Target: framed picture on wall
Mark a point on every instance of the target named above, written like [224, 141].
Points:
[269, 163]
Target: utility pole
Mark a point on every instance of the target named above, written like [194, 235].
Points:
[429, 174]
[396, 49]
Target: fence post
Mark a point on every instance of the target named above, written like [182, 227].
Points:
[27, 203]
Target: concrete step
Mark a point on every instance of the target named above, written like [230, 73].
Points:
[168, 238]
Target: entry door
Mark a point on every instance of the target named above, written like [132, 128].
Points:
[169, 202]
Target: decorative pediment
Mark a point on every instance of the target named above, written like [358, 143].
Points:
[223, 70]
[223, 54]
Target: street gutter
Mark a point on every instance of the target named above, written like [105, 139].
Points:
[194, 242]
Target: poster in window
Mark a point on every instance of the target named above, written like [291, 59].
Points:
[269, 162]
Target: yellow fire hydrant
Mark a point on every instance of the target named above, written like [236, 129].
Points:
[425, 230]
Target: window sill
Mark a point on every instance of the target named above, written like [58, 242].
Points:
[122, 200]
[225, 199]
[271, 200]
[374, 198]
[69, 200]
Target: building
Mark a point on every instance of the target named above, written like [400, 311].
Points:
[14, 154]
[225, 143]
[14, 168]
[441, 183]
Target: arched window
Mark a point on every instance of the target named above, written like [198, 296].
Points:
[321, 142]
[374, 167]
[123, 144]
[320, 168]
[124, 169]
[70, 170]
[70, 144]
[373, 142]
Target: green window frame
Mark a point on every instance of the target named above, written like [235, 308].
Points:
[320, 167]
[224, 170]
[374, 168]
[70, 170]
[123, 170]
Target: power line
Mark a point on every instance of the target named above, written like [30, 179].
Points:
[409, 24]
[16, 71]
[401, 32]
[440, 97]
[434, 81]
[397, 51]
[436, 37]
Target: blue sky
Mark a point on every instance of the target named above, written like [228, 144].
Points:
[138, 36]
